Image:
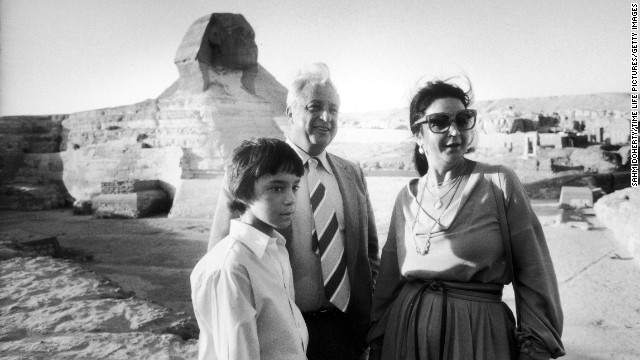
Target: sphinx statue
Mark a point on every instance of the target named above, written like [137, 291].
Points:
[182, 138]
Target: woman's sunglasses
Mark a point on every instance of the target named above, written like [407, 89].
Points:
[441, 122]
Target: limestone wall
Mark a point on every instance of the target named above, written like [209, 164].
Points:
[30, 134]
[86, 168]
[40, 168]
[21, 135]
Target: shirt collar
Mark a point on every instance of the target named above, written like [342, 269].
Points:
[254, 239]
[305, 157]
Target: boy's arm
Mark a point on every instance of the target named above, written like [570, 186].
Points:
[238, 313]
[226, 302]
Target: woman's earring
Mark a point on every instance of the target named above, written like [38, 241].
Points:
[420, 150]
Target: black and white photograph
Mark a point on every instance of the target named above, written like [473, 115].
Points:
[241, 179]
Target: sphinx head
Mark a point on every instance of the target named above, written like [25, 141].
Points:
[229, 41]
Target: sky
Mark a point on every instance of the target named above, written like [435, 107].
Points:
[65, 56]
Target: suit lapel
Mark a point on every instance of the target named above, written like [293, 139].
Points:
[348, 190]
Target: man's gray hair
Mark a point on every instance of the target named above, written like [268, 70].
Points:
[316, 73]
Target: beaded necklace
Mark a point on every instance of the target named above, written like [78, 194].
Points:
[438, 204]
[426, 239]
[436, 184]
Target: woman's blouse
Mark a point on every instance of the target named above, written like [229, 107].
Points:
[465, 245]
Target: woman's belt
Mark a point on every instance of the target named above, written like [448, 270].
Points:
[466, 291]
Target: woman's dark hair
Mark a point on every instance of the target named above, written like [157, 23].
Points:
[253, 159]
[437, 89]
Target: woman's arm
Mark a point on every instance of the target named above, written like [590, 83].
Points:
[538, 300]
[389, 281]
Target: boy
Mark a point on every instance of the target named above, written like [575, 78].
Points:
[242, 290]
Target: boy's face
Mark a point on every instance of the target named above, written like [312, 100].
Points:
[273, 203]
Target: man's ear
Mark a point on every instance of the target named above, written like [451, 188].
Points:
[289, 115]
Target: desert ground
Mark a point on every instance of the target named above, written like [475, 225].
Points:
[153, 258]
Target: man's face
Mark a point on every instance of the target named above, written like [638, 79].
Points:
[314, 118]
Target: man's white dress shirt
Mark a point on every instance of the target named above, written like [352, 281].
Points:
[243, 297]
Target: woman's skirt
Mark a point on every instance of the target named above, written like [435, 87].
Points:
[474, 324]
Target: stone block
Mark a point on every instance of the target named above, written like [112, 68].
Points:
[82, 207]
[129, 206]
[575, 197]
[553, 140]
[196, 198]
[573, 218]
[618, 211]
[85, 171]
[128, 186]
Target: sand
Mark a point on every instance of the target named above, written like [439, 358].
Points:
[60, 309]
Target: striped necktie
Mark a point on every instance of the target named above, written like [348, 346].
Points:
[326, 243]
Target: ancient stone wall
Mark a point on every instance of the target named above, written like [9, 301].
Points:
[614, 122]
[31, 134]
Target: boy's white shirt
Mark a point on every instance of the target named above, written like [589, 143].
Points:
[244, 301]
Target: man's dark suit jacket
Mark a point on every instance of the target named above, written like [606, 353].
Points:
[361, 239]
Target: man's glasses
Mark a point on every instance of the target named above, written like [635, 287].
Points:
[441, 122]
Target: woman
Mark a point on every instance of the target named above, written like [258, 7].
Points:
[458, 234]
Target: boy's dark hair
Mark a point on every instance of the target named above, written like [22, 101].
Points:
[253, 159]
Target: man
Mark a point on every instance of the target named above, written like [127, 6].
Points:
[332, 241]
